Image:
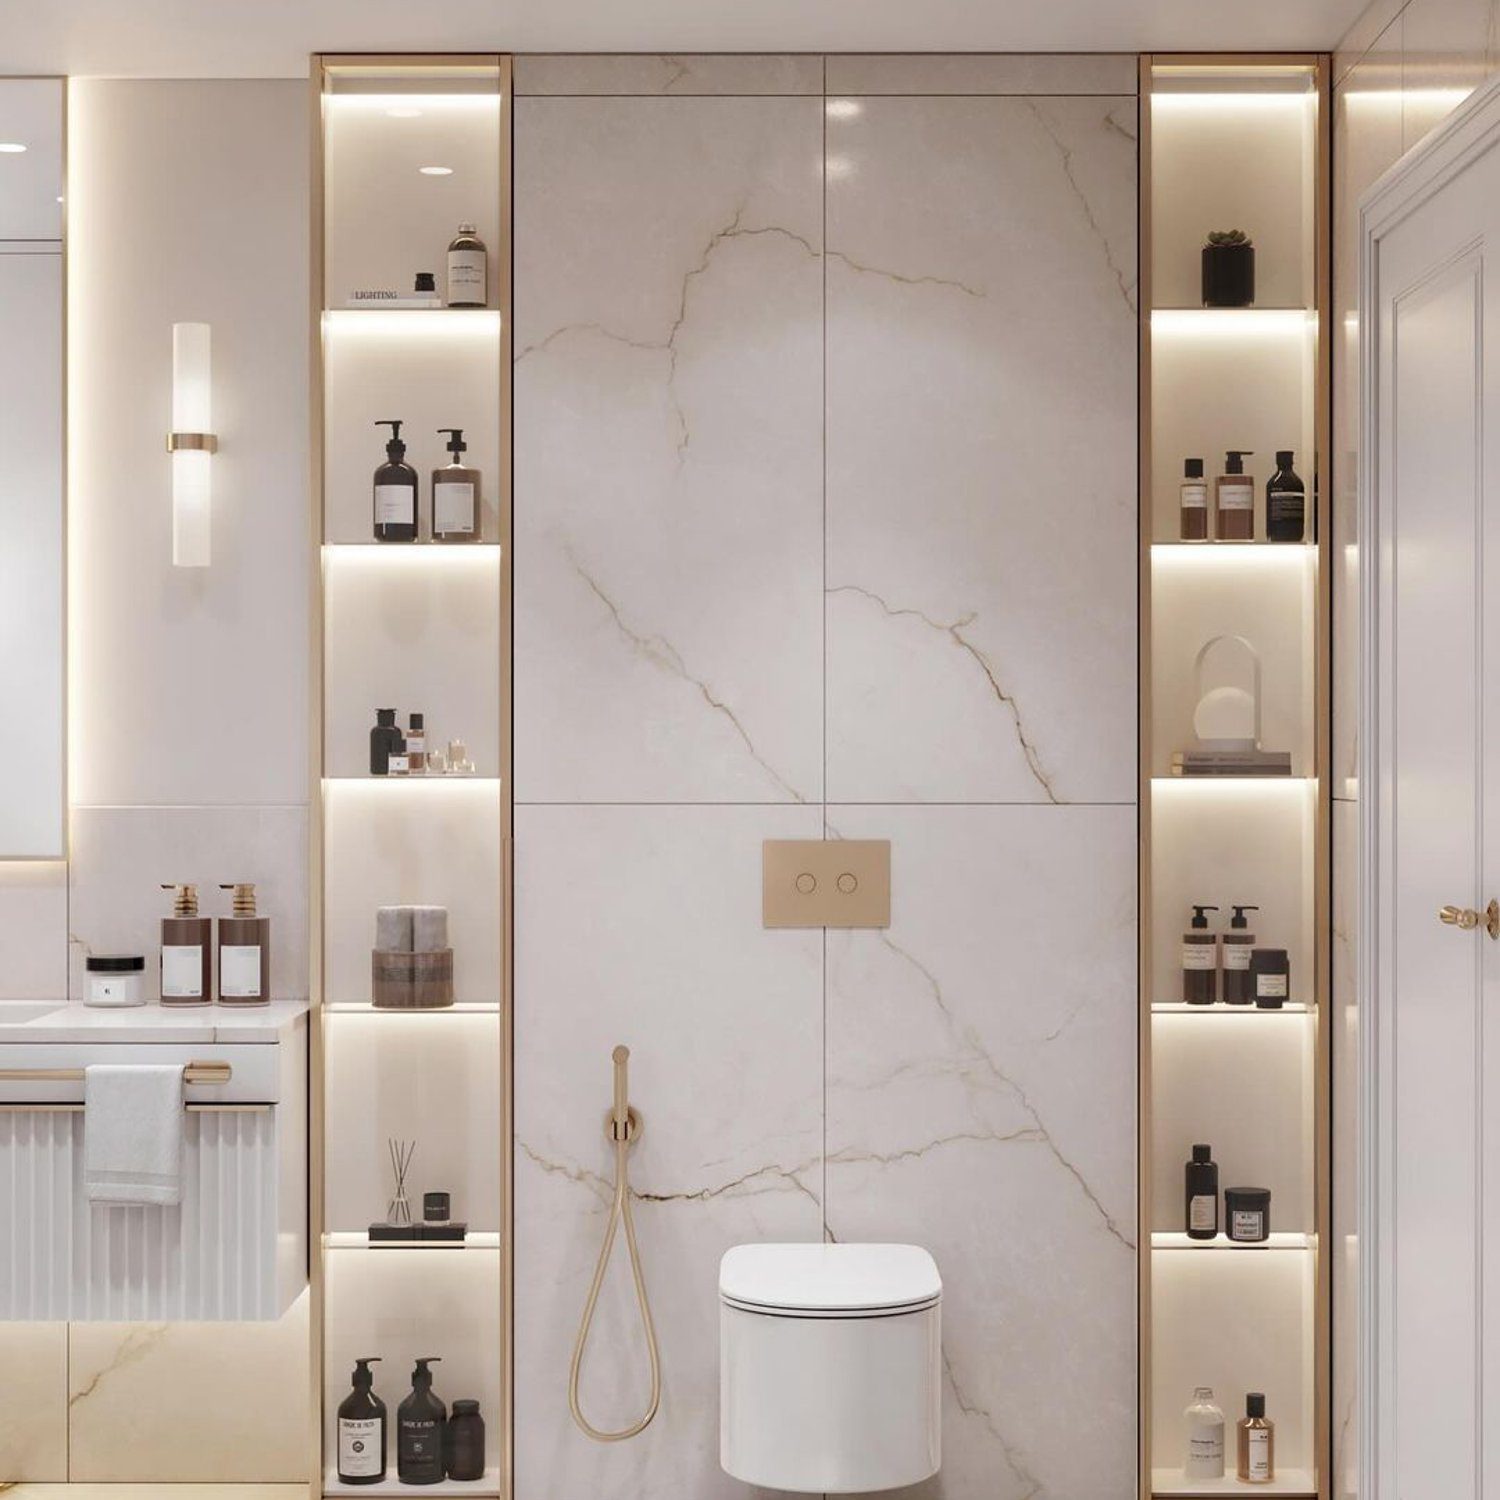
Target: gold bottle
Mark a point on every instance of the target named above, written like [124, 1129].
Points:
[1257, 1442]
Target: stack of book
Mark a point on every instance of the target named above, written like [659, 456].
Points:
[1232, 763]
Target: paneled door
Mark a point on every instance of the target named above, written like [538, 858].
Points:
[1431, 786]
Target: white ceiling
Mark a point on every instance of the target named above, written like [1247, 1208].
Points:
[272, 38]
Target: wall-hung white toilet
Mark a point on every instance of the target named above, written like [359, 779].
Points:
[830, 1366]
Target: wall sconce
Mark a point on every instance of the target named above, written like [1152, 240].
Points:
[191, 444]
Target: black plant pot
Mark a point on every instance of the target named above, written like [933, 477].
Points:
[1228, 275]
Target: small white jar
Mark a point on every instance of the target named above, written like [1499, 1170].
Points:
[116, 979]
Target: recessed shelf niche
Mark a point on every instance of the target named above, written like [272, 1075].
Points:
[410, 148]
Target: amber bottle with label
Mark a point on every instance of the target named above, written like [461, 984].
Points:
[1257, 1442]
[1239, 988]
[456, 513]
[1234, 499]
[395, 499]
[186, 956]
[1193, 501]
[1200, 960]
[244, 951]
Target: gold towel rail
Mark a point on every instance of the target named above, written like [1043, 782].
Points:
[194, 1072]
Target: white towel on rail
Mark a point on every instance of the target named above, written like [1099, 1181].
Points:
[132, 1133]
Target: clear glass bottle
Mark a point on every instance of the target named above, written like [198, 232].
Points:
[1205, 1436]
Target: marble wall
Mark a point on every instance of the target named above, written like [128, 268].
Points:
[1400, 70]
[188, 701]
[825, 521]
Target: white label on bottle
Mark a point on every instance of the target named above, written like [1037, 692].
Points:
[466, 276]
[1236, 955]
[1203, 1211]
[1258, 1454]
[182, 971]
[1195, 497]
[359, 1448]
[398, 765]
[1246, 1224]
[453, 508]
[1271, 986]
[1199, 955]
[416, 744]
[395, 505]
[1205, 1456]
[239, 971]
[1236, 497]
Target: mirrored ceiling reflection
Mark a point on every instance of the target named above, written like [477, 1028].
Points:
[31, 158]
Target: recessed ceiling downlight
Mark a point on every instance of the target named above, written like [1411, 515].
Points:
[11, 148]
[436, 171]
[404, 112]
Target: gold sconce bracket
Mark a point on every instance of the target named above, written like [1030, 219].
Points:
[192, 442]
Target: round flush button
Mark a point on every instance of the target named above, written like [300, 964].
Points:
[807, 882]
[848, 884]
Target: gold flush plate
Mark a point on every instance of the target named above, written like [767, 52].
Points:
[826, 882]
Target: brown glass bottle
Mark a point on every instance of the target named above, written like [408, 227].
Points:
[1193, 502]
[1234, 499]
[456, 511]
[186, 951]
[244, 952]
[1257, 1442]
[1239, 988]
[1200, 960]
[395, 496]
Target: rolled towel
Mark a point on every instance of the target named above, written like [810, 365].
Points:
[393, 929]
[429, 928]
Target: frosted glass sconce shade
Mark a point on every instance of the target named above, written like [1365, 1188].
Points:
[191, 443]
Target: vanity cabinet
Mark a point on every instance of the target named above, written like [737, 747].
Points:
[234, 1248]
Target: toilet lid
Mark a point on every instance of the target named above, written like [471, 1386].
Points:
[832, 1279]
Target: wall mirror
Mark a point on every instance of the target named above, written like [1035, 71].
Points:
[33, 811]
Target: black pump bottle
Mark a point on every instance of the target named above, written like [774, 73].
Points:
[1200, 960]
[420, 1421]
[362, 1429]
[395, 492]
[1286, 502]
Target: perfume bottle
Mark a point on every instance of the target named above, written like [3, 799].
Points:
[1257, 1442]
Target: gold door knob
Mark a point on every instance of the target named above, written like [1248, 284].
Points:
[1466, 918]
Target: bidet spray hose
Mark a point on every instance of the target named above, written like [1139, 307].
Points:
[623, 1126]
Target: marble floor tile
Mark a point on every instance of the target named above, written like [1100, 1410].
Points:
[668, 398]
[982, 450]
[981, 1066]
[644, 927]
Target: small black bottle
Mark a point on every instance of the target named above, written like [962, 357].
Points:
[385, 741]
[464, 1447]
[1286, 502]
[420, 1423]
[1201, 1203]
[362, 1429]
[395, 492]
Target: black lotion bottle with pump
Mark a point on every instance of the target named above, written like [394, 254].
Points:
[362, 1429]
[420, 1423]
[395, 515]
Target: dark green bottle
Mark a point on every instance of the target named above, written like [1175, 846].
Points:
[420, 1423]
[362, 1429]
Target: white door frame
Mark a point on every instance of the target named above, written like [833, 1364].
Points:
[1471, 130]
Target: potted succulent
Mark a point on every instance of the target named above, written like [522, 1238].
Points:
[1228, 269]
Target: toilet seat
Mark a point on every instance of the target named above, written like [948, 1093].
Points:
[829, 1281]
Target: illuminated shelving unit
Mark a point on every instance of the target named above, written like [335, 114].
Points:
[1235, 142]
[408, 148]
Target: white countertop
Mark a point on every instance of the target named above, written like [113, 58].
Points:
[25, 1021]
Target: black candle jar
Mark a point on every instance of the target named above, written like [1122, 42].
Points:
[463, 1442]
[1247, 1214]
[1228, 273]
[1270, 977]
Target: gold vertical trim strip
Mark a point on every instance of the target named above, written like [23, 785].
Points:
[1145, 513]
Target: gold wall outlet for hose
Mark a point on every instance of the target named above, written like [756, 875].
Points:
[826, 883]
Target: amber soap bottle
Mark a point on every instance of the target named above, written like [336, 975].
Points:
[455, 495]
[1257, 1442]
[244, 951]
[395, 501]
[186, 951]
[1234, 499]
